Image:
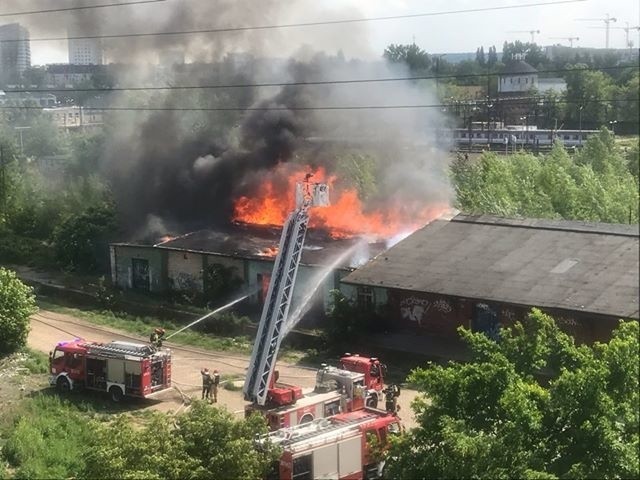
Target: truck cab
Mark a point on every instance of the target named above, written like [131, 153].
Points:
[67, 364]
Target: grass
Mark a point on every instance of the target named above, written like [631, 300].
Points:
[45, 438]
[144, 325]
[229, 382]
[35, 362]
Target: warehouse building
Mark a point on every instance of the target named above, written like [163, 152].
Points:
[240, 255]
[484, 272]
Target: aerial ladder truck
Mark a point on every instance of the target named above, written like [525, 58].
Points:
[357, 384]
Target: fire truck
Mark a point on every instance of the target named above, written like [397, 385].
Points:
[338, 447]
[357, 383]
[119, 368]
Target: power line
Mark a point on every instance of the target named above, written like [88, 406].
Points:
[83, 7]
[301, 24]
[310, 82]
[510, 102]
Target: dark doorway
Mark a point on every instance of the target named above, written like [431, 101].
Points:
[263, 286]
[485, 320]
[140, 274]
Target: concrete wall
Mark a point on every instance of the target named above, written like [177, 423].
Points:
[236, 264]
[184, 271]
[122, 257]
[441, 315]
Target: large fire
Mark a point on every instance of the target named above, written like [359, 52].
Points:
[345, 217]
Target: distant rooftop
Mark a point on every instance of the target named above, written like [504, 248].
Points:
[590, 267]
[517, 67]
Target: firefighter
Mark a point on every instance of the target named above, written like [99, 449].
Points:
[207, 383]
[391, 394]
[215, 381]
[156, 337]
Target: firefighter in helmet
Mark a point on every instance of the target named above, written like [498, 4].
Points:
[156, 337]
[215, 381]
[391, 394]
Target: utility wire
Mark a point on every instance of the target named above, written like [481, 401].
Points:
[308, 83]
[301, 24]
[83, 7]
[519, 101]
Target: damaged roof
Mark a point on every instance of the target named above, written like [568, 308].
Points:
[569, 265]
[256, 242]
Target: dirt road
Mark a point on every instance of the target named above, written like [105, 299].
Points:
[48, 328]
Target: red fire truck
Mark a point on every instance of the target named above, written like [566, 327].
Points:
[336, 447]
[358, 383]
[120, 368]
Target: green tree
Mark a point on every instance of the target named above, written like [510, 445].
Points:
[359, 171]
[81, 239]
[203, 443]
[43, 138]
[411, 55]
[594, 89]
[492, 57]
[17, 304]
[598, 185]
[492, 418]
[481, 59]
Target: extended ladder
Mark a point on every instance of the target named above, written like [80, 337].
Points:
[279, 294]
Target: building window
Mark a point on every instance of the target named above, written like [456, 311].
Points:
[526, 80]
[366, 298]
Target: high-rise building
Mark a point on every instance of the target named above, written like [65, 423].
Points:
[85, 51]
[15, 52]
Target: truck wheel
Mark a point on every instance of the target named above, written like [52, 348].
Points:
[63, 385]
[372, 401]
[116, 393]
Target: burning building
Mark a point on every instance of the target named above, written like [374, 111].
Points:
[240, 254]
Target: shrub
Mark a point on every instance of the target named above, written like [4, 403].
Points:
[17, 304]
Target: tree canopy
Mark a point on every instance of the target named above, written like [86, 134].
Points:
[17, 304]
[203, 443]
[598, 184]
[495, 418]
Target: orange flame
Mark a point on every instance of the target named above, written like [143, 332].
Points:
[345, 217]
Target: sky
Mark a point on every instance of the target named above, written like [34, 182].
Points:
[438, 34]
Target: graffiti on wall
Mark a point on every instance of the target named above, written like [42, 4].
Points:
[415, 309]
[566, 321]
[183, 281]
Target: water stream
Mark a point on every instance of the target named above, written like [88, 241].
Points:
[217, 310]
[314, 285]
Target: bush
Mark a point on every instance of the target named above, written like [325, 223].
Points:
[48, 440]
[225, 324]
[17, 304]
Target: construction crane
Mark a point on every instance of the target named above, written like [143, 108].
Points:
[530, 32]
[607, 20]
[279, 295]
[571, 39]
[627, 29]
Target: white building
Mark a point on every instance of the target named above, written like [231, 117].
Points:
[15, 52]
[75, 117]
[518, 77]
[555, 85]
[86, 51]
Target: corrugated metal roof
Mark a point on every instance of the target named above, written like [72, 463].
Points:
[243, 241]
[556, 264]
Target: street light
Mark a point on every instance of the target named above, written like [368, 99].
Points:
[580, 123]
